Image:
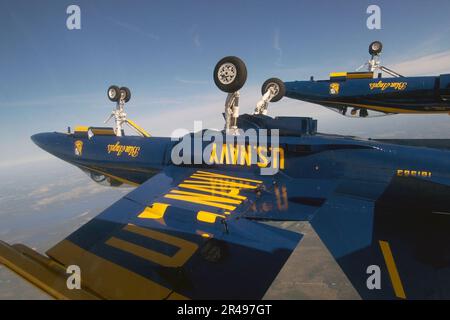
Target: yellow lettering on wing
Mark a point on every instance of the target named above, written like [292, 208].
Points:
[223, 176]
[156, 211]
[203, 188]
[208, 217]
[212, 189]
[185, 248]
[205, 199]
[212, 181]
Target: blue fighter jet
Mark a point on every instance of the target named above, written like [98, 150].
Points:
[205, 230]
[368, 93]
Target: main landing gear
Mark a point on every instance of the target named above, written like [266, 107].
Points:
[229, 76]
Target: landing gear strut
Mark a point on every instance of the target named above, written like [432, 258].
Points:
[121, 96]
[229, 76]
[272, 90]
[374, 63]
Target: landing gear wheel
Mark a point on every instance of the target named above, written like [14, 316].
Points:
[230, 74]
[363, 113]
[97, 177]
[125, 94]
[277, 85]
[375, 48]
[113, 93]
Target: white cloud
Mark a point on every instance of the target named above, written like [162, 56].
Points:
[196, 40]
[26, 161]
[277, 47]
[193, 31]
[207, 108]
[86, 98]
[432, 64]
[186, 81]
[86, 189]
[40, 191]
[133, 28]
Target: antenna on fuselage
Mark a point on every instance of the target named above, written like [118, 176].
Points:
[121, 96]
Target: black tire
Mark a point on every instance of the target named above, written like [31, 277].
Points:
[230, 74]
[279, 88]
[99, 178]
[375, 48]
[113, 93]
[126, 93]
[363, 113]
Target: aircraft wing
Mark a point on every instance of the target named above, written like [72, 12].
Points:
[202, 233]
[390, 237]
[177, 236]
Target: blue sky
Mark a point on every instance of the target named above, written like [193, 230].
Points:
[165, 51]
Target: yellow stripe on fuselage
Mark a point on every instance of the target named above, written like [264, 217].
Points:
[81, 128]
[338, 74]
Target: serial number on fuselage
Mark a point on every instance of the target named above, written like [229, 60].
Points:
[413, 173]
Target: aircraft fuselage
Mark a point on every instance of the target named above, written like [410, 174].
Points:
[388, 95]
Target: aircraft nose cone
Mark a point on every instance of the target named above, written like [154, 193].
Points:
[51, 142]
[58, 144]
[40, 139]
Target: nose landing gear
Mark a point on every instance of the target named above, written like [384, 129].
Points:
[272, 90]
[121, 96]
